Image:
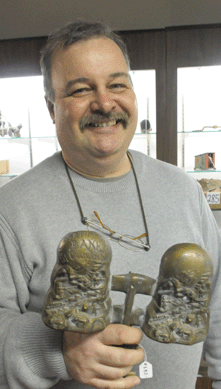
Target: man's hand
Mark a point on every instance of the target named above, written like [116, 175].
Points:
[93, 359]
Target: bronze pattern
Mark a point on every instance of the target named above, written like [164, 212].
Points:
[78, 299]
[179, 310]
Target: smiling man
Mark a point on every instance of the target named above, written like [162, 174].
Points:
[141, 205]
[94, 101]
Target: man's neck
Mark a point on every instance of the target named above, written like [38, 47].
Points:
[99, 168]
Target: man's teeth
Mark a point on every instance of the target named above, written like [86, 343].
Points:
[105, 124]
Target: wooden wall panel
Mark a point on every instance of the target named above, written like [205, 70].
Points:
[20, 57]
[185, 47]
[204, 383]
[193, 46]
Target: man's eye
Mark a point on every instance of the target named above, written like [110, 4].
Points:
[80, 91]
[118, 86]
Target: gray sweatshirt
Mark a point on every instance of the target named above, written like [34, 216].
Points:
[38, 208]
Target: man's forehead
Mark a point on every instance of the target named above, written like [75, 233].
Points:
[98, 45]
[86, 61]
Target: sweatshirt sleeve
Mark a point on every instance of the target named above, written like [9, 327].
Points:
[212, 345]
[31, 354]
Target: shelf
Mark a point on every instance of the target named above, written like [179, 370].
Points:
[199, 132]
[27, 138]
[203, 171]
[147, 133]
[9, 175]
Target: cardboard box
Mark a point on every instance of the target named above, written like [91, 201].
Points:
[205, 161]
[4, 167]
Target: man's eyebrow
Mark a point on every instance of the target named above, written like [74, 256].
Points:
[120, 74]
[124, 74]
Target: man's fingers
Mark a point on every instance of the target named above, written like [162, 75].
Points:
[99, 359]
[121, 357]
[119, 334]
[122, 383]
[111, 373]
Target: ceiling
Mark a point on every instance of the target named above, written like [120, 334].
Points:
[32, 18]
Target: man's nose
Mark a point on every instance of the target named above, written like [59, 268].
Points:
[102, 101]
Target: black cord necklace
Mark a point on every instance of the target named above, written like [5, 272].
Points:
[84, 218]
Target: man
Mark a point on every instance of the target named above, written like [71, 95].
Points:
[91, 100]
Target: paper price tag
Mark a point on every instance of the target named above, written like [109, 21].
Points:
[145, 370]
[213, 198]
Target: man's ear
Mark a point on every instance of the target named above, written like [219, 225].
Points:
[50, 106]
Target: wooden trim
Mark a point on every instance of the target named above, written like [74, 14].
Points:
[186, 47]
[20, 57]
[204, 383]
[193, 26]
[193, 47]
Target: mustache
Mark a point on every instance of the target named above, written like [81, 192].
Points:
[100, 118]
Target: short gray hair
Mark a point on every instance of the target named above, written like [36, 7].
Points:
[68, 35]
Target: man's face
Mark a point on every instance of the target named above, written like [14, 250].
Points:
[95, 108]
